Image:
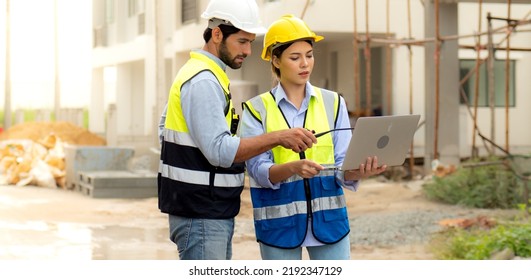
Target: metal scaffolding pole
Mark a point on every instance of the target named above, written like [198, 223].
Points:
[507, 76]
[368, 91]
[437, 81]
[388, 74]
[410, 35]
[474, 152]
[490, 67]
[356, 64]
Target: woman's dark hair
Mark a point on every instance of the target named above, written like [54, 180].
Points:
[226, 30]
[278, 53]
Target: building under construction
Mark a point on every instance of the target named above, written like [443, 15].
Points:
[462, 65]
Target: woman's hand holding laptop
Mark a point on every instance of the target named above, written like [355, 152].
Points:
[365, 170]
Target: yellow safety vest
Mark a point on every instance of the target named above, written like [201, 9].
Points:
[281, 215]
[189, 185]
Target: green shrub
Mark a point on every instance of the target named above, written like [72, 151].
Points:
[489, 186]
[480, 244]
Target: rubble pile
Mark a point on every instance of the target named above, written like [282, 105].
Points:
[32, 153]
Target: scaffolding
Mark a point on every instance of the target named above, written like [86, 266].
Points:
[508, 29]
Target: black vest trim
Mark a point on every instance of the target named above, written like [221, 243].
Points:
[197, 201]
[191, 158]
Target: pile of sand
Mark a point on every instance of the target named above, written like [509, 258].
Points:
[66, 131]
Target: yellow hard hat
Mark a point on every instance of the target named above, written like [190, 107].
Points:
[284, 30]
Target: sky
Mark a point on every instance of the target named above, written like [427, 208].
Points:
[32, 52]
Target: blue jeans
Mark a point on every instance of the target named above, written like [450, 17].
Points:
[336, 251]
[202, 239]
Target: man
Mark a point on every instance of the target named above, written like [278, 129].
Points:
[201, 175]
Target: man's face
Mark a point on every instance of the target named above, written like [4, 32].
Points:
[235, 48]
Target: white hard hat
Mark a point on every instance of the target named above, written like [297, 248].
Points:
[242, 14]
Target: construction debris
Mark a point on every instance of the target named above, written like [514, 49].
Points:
[465, 223]
[442, 170]
[33, 153]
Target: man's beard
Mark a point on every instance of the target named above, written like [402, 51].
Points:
[224, 55]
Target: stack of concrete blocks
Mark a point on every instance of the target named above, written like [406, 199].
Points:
[103, 172]
[117, 184]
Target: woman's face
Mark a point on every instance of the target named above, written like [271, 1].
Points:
[295, 63]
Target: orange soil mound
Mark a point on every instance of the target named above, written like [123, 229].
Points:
[66, 131]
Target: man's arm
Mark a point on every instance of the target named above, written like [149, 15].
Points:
[203, 111]
[162, 121]
[297, 139]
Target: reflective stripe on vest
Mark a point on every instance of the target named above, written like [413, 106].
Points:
[299, 207]
[197, 177]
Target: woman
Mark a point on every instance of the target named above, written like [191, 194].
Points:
[297, 198]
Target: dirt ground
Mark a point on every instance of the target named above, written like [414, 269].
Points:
[371, 197]
[49, 223]
[44, 223]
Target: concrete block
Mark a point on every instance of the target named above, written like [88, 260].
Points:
[117, 179]
[90, 158]
[117, 184]
[122, 192]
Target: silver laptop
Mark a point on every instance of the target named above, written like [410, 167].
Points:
[387, 137]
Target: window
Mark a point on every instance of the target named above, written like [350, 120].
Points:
[135, 7]
[132, 8]
[188, 11]
[466, 65]
[109, 11]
